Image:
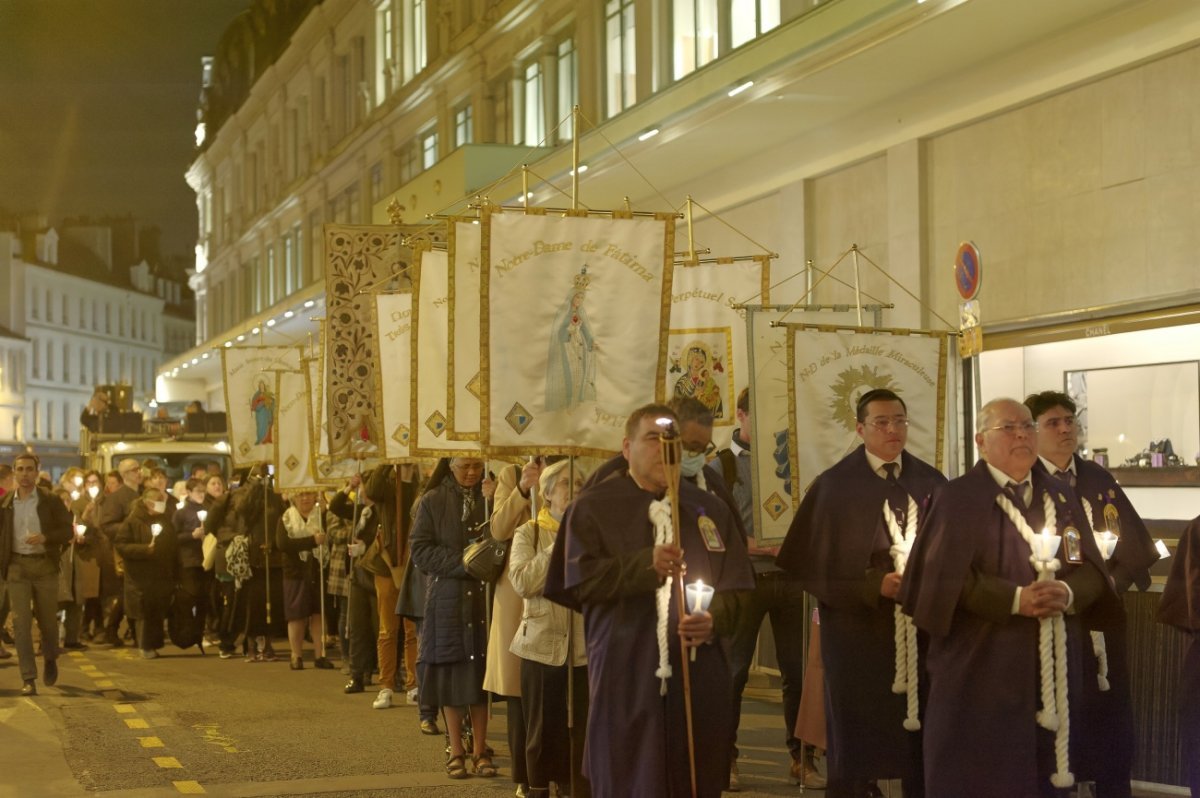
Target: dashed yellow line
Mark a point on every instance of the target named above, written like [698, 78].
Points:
[166, 762]
[189, 787]
[125, 709]
[136, 723]
[76, 654]
[105, 683]
[151, 742]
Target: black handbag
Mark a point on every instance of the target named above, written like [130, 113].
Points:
[484, 558]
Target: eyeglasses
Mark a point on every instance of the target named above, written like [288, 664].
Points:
[882, 424]
[706, 451]
[1011, 430]
[1065, 422]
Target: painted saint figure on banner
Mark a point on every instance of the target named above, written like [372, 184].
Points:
[698, 382]
[571, 365]
[262, 405]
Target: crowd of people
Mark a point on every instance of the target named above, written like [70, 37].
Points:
[928, 659]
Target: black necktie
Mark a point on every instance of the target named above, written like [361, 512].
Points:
[891, 469]
[1017, 494]
[1068, 475]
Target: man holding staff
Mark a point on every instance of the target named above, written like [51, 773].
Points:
[614, 555]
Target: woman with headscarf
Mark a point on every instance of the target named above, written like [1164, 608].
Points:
[451, 656]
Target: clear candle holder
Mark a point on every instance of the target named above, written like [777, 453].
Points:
[1107, 543]
[699, 596]
[1045, 546]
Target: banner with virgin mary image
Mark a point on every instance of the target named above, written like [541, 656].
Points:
[429, 344]
[706, 345]
[830, 370]
[462, 398]
[251, 401]
[574, 313]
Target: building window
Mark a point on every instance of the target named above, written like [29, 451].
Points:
[66, 364]
[535, 116]
[376, 182]
[298, 238]
[50, 408]
[387, 51]
[289, 266]
[620, 56]
[415, 53]
[66, 419]
[695, 34]
[568, 89]
[37, 360]
[63, 320]
[464, 128]
[272, 283]
[429, 149]
[501, 96]
[37, 419]
[751, 18]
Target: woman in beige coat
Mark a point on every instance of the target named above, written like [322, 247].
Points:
[548, 636]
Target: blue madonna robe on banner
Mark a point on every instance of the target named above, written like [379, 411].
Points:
[602, 565]
[837, 546]
[981, 736]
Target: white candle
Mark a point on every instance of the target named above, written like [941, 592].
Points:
[1107, 542]
[74, 495]
[78, 480]
[93, 490]
[1046, 545]
[202, 514]
[80, 529]
[155, 529]
[699, 596]
[1161, 548]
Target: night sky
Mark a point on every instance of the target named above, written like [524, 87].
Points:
[98, 107]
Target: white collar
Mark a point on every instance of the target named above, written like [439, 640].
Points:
[877, 464]
[1003, 479]
[1053, 469]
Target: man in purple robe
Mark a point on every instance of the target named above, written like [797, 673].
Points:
[1180, 607]
[971, 586]
[1106, 734]
[607, 565]
[838, 547]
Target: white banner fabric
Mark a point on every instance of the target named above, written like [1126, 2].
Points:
[574, 321]
[250, 400]
[463, 388]
[294, 431]
[393, 318]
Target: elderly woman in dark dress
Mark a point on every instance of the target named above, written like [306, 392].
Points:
[452, 652]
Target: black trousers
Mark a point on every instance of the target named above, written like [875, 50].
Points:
[363, 632]
[553, 752]
[514, 713]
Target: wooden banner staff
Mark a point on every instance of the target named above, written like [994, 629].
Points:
[267, 539]
[359, 493]
[324, 552]
[672, 457]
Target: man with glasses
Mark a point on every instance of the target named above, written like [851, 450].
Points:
[972, 587]
[838, 547]
[34, 526]
[114, 509]
[1107, 755]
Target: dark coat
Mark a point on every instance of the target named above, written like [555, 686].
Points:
[294, 567]
[53, 517]
[1180, 607]
[149, 570]
[189, 550]
[455, 625]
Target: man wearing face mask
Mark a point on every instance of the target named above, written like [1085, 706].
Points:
[146, 541]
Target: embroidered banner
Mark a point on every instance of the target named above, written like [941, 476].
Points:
[462, 398]
[706, 345]
[294, 431]
[328, 470]
[574, 318]
[831, 370]
[359, 259]
[430, 358]
[393, 319]
[250, 399]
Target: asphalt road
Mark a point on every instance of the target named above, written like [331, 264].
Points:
[117, 725]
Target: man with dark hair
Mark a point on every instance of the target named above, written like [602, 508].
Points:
[34, 525]
[1106, 755]
[777, 594]
[839, 549]
[113, 511]
[615, 561]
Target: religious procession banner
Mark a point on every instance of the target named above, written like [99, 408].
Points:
[329, 471]
[462, 398]
[294, 432]
[430, 342]
[830, 370]
[574, 314]
[393, 319]
[250, 399]
[359, 260]
[706, 344]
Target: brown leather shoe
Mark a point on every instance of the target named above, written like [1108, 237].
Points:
[804, 773]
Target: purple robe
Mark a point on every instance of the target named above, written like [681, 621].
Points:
[1180, 607]
[601, 564]
[837, 546]
[981, 737]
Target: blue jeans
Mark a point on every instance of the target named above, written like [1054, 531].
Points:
[33, 590]
[781, 597]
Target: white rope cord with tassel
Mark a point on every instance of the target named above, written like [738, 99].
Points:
[1099, 648]
[906, 681]
[1052, 647]
[660, 516]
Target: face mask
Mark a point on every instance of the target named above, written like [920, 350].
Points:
[158, 507]
[691, 464]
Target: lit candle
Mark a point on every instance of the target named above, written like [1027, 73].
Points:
[202, 514]
[80, 530]
[699, 596]
[1107, 542]
[1046, 545]
[78, 480]
[74, 495]
[1161, 548]
[179, 504]
[155, 529]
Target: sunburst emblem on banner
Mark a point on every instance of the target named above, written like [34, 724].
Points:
[851, 384]
[436, 423]
[518, 418]
[292, 463]
[244, 449]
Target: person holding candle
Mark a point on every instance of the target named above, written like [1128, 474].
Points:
[839, 546]
[546, 636]
[609, 562]
[1106, 733]
[300, 536]
[971, 586]
[1180, 607]
[194, 581]
[146, 542]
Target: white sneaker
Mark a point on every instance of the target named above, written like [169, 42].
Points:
[384, 699]
[412, 696]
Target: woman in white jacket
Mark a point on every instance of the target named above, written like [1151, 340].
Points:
[548, 636]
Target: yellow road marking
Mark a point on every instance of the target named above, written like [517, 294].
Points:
[166, 762]
[137, 723]
[189, 787]
[87, 666]
[125, 709]
[96, 674]
[105, 683]
[151, 742]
